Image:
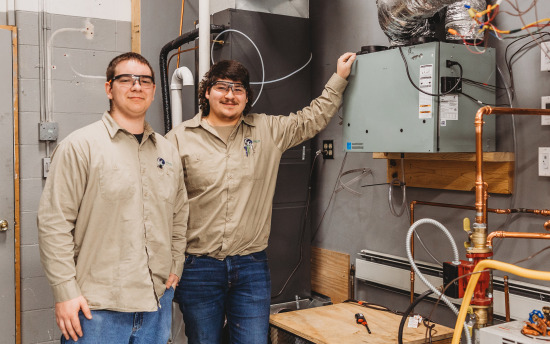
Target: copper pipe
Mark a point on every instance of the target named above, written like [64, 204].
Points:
[465, 207]
[480, 185]
[507, 298]
[517, 235]
[181, 29]
[547, 225]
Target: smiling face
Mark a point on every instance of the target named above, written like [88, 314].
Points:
[225, 106]
[130, 101]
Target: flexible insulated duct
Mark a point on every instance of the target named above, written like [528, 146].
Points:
[457, 18]
[403, 19]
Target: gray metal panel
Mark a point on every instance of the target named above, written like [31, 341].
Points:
[381, 107]
[7, 290]
[281, 56]
[459, 135]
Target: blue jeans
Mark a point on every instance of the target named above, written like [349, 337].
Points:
[128, 327]
[237, 288]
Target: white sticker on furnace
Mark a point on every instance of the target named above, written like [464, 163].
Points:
[425, 84]
[449, 107]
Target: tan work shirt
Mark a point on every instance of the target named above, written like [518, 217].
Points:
[231, 186]
[112, 217]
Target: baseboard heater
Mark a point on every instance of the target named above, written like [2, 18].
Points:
[394, 272]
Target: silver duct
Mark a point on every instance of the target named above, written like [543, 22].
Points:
[457, 18]
[403, 19]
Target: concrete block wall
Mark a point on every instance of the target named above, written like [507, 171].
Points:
[78, 76]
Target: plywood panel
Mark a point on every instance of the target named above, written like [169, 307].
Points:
[330, 273]
[335, 324]
[452, 171]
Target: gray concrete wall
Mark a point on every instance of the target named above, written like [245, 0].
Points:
[160, 22]
[353, 223]
[77, 101]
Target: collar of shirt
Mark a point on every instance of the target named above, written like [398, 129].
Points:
[113, 128]
[196, 121]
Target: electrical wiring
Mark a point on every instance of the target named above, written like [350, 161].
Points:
[510, 60]
[178, 53]
[263, 82]
[181, 31]
[331, 196]
[419, 299]
[519, 13]
[374, 306]
[479, 101]
[303, 229]
[481, 84]
[403, 190]
[257, 50]
[531, 256]
[419, 273]
[512, 203]
[430, 94]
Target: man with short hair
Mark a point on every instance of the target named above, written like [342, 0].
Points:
[230, 160]
[112, 219]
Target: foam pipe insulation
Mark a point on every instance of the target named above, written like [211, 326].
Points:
[403, 19]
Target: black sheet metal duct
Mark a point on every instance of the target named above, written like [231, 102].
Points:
[176, 43]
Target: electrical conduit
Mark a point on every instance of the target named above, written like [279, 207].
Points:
[456, 261]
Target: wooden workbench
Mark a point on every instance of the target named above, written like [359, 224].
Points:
[335, 324]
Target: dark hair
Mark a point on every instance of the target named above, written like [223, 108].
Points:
[126, 57]
[225, 69]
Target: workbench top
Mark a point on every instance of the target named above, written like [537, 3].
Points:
[335, 324]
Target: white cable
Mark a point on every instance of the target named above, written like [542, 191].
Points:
[456, 261]
[259, 54]
[86, 76]
[284, 77]
[49, 114]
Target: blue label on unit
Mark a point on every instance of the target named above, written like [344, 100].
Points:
[349, 146]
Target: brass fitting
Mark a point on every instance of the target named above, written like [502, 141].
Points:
[482, 316]
[479, 239]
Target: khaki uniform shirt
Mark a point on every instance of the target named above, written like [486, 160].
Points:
[112, 217]
[231, 186]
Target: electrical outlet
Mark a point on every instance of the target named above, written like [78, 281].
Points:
[544, 161]
[46, 166]
[328, 149]
[545, 104]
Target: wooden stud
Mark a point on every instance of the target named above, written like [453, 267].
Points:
[136, 26]
[17, 225]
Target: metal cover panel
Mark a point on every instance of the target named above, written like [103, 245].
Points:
[459, 135]
[381, 107]
[383, 112]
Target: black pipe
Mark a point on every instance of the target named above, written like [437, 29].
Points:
[176, 43]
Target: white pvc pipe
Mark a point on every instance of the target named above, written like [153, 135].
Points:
[204, 37]
[181, 77]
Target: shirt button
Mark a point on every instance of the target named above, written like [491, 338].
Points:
[229, 177]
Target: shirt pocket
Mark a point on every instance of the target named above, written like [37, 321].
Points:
[202, 172]
[167, 184]
[116, 183]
